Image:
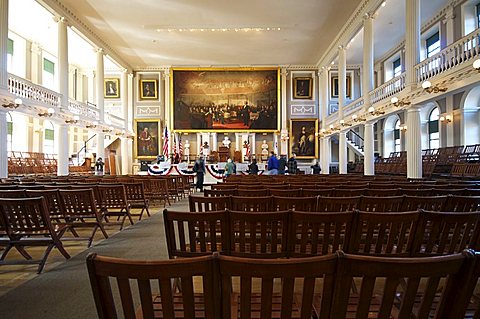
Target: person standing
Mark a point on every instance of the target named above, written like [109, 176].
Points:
[292, 164]
[99, 166]
[272, 164]
[282, 164]
[253, 167]
[229, 168]
[199, 168]
[316, 169]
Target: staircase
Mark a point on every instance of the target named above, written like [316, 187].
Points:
[355, 142]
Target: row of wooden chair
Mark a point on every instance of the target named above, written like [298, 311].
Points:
[219, 286]
[305, 234]
[450, 203]
[340, 192]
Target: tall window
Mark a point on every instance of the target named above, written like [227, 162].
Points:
[433, 44]
[49, 138]
[477, 7]
[397, 68]
[48, 75]
[396, 136]
[433, 132]
[9, 55]
[9, 131]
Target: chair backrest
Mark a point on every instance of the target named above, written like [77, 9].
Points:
[337, 204]
[381, 204]
[305, 204]
[383, 233]
[440, 233]
[415, 300]
[94, 187]
[24, 216]
[222, 186]
[462, 204]
[256, 204]
[134, 191]
[79, 202]
[286, 192]
[112, 196]
[196, 234]
[52, 199]
[341, 192]
[219, 192]
[310, 192]
[13, 193]
[381, 192]
[246, 192]
[206, 204]
[313, 233]
[151, 276]
[258, 234]
[311, 271]
[416, 192]
[433, 203]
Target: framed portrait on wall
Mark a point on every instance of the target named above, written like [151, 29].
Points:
[148, 90]
[111, 88]
[225, 99]
[334, 87]
[302, 88]
[303, 140]
[147, 138]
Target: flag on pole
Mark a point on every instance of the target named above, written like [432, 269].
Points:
[180, 146]
[175, 152]
[165, 143]
[247, 152]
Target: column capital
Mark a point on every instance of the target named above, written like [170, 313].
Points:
[369, 16]
[342, 47]
[60, 19]
[283, 72]
[166, 73]
[449, 13]
[99, 51]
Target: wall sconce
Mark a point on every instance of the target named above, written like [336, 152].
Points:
[48, 113]
[322, 133]
[122, 133]
[358, 119]
[476, 64]
[107, 130]
[13, 105]
[342, 123]
[93, 125]
[427, 86]
[73, 121]
[394, 100]
[284, 137]
[333, 128]
[403, 128]
[372, 111]
[446, 119]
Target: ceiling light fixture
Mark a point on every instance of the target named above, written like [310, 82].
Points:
[93, 125]
[372, 111]
[446, 119]
[476, 64]
[427, 86]
[13, 105]
[50, 111]
[396, 102]
[358, 119]
[342, 123]
[73, 121]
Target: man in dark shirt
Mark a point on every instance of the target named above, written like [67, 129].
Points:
[282, 164]
[292, 164]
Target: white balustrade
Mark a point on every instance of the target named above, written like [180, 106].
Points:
[34, 92]
[352, 106]
[82, 109]
[116, 121]
[459, 52]
[388, 89]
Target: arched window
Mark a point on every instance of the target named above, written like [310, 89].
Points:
[9, 131]
[433, 132]
[396, 136]
[48, 138]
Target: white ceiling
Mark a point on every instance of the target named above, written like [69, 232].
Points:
[129, 27]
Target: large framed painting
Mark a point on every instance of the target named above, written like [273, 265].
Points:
[302, 88]
[303, 140]
[225, 100]
[147, 138]
[111, 88]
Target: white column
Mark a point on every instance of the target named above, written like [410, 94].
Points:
[284, 128]
[369, 159]
[237, 141]
[3, 50]
[130, 103]
[125, 155]
[199, 143]
[342, 152]
[252, 143]
[63, 61]
[275, 143]
[214, 141]
[368, 59]
[124, 97]
[99, 86]
[62, 159]
[3, 141]
[323, 95]
[91, 87]
[36, 64]
[449, 24]
[414, 143]
[101, 145]
[166, 77]
[327, 155]
[342, 78]
[449, 130]
[412, 41]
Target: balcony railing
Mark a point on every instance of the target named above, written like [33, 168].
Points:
[388, 89]
[116, 121]
[34, 92]
[464, 50]
[83, 109]
[353, 105]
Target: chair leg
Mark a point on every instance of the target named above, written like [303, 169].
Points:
[23, 252]
[74, 232]
[7, 249]
[129, 216]
[123, 221]
[44, 258]
[62, 250]
[148, 212]
[90, 239]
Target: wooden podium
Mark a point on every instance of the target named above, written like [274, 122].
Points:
[223, 153]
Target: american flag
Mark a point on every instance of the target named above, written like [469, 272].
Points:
[175, 150]
[180, 146]
[247, 153]
[165, 143]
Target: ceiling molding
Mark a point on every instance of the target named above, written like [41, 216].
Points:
[167, 68]
[87, 30]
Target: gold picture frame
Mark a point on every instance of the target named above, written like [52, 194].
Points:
[334, 90]
[219, 99]
[148, 136]
[111, 88]
[303, 140]
[302, 88]
[148, 89]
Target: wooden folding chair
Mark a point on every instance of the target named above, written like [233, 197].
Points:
[113, 202]
[205, 204]
[381, 204]
[256, 204]
[304, 204]
[136, 198]
[337, 204]
[433, 203]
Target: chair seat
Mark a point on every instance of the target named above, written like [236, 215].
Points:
[177, 306]
[256, 306]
